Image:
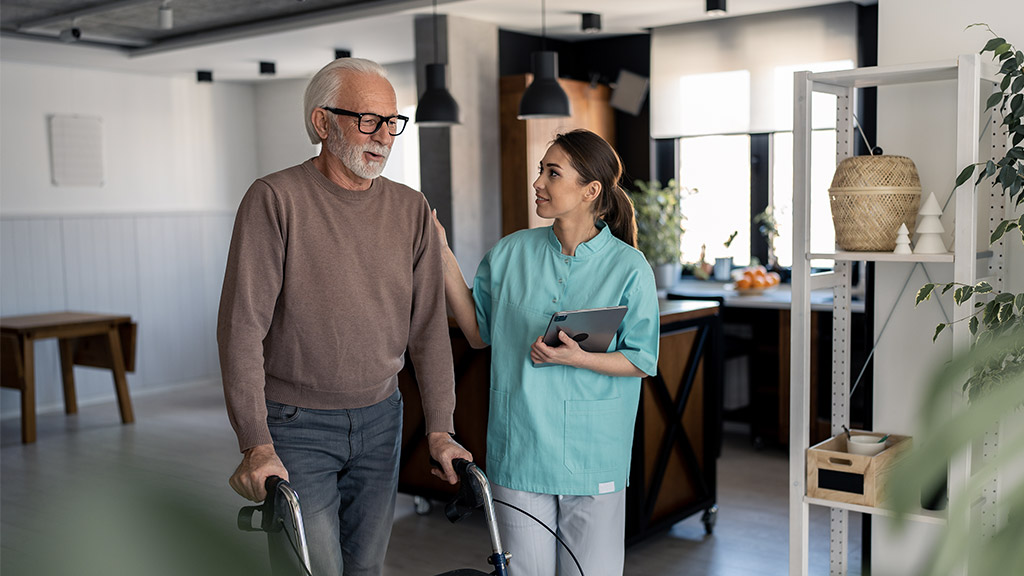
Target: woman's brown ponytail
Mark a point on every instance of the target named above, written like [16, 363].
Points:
[595, 160]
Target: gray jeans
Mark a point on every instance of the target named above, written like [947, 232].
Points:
[343, 465]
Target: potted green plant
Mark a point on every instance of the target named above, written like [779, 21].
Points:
[659, 221]
[991, 374]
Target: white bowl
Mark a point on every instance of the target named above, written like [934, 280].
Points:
[865, 445]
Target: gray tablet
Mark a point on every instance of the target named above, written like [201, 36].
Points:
[592, 328]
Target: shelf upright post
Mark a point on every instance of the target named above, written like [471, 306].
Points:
[839, 519]
[800, 320]
[965, 242]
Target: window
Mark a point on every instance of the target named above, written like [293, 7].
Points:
[718, 168]
[823, 153]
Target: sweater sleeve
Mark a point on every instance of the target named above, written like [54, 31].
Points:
[252, 283]
[430, 346]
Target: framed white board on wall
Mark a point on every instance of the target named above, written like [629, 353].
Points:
[76, 150]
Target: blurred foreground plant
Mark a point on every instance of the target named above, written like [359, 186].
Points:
[946, 434]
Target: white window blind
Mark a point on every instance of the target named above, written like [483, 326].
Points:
[766, 48]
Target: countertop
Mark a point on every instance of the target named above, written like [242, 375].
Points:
[778, 297]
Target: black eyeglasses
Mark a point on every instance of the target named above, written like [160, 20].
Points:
[369, 123]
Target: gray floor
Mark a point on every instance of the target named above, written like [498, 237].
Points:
[94, 497]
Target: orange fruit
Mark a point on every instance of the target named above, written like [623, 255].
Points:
[743, 283]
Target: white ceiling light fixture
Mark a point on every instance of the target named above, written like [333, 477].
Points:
[166, 15]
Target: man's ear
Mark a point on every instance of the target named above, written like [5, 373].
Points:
[320, 121]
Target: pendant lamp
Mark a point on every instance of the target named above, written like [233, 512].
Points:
[436, 107]
[544, 97]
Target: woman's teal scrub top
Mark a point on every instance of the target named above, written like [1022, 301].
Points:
[559, 429]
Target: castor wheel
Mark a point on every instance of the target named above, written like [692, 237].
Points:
[708, 518]
[422, 505]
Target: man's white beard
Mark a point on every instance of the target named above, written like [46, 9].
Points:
[352, 155]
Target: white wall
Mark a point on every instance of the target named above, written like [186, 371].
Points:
[151, 242]
[919, 121]
[168, 143]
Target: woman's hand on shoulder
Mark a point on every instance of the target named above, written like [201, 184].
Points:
[441, 233]
[568, 354]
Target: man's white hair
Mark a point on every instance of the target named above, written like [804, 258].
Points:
[327, 83]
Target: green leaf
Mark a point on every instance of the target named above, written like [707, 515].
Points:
[964, 175]
[1019, 301]
[1002, 49]
[924, 293]
[938, 330]
[993, 100]
[1005, 312]
[1003, 298]
[998, 232]
[974, 325]
[947, 287]
[989, 315]
[963, 294]
[1018, 83]
[993, 44]
[982, 287]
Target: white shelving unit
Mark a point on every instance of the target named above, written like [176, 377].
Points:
[966, 71]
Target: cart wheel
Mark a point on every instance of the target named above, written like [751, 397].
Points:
[708, 518]
[422, 505]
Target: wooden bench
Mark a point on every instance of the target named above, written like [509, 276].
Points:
[96, 340]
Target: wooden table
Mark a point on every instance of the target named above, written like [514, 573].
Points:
[97, 340]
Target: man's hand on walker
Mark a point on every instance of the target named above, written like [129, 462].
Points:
[444, 449]
[258, 463]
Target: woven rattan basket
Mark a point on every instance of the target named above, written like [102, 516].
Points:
[870, 197]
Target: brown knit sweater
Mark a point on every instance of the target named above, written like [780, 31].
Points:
[324, 291]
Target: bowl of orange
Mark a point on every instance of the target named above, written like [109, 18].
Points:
[754, 280]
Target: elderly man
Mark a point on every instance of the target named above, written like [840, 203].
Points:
[333, 273]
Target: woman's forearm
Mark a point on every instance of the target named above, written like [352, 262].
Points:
[609, 364]
[460, 299]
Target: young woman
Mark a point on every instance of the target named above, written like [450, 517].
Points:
[559, 436]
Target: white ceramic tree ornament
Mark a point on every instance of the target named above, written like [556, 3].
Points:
[902, 241]
[930, 229]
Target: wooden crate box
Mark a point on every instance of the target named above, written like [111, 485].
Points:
[835, 474]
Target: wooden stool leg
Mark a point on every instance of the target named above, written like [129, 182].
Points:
[67, 355]
[28, 393]
[120, 382]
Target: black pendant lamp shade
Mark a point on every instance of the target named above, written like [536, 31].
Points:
[544, 97]
[436, 106]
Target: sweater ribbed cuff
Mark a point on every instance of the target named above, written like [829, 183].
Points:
[439, 421]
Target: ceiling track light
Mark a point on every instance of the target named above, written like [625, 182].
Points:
[590, 22]
[544, 97]
[166, 15]
[436, 107]
[715, 7]
[267, 68]
[71, 33]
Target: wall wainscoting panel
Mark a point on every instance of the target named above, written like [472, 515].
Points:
[165, 270]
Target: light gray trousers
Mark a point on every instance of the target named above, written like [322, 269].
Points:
[593, 527]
